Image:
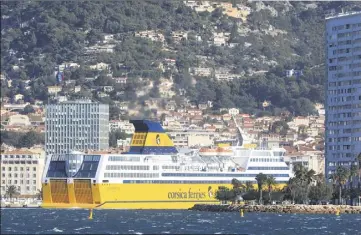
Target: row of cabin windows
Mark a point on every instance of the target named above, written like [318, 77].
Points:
[267, 160]
[217, 175]
[170, 167]
[120, 167]
[124, 159]
[127, 167]
[131, 175]
[267, 168]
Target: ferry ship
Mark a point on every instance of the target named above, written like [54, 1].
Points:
[153, 174]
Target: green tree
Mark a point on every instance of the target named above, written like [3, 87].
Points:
[280, 127]
[236, 183]
[341, 176]
[11, 191]
[321, 191]
[270, 182]
[353, 173]
[261, 180]
[114, 112]
[116, 135]
[40, 194]
[293, 186]
[249, 186]
[221, 193]
[359, 171]
[30, 139]
[305, 177]
[28, 109]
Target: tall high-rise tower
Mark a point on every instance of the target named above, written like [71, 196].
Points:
[76, 125]
[343, 90]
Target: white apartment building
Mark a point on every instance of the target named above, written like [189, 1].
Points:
[343, 89]
[23, 169]
[76, 125]
[192, 138]
[124, 126]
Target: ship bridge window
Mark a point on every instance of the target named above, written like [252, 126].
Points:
[56, 169]
[92, 158]
[257, 153]
[87, 170]
[278, 153]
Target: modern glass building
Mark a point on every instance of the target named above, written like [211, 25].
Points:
[76, 125]
[343, 90]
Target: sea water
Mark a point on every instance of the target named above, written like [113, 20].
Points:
[75, 221]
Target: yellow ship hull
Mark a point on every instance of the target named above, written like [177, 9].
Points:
[83, 194]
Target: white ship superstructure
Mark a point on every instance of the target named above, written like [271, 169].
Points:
[153, 174]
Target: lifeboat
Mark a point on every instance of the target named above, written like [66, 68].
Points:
[208, 152]
[224, 152]
[215, 152]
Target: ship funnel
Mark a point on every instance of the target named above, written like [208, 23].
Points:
[150, 138]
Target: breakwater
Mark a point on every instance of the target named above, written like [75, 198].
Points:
[301, 209]
[13, 205]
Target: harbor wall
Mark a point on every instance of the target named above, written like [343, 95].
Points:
[302, 209]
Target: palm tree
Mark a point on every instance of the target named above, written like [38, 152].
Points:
[341, 176]
[249, 186]
[261, 179]
[11, 191]
[40, 194]
[305, 177]
[303, 174]
[236, 183]
[270, 181]
[353, 173]
[359, 170]
[238, 187]
[293, 185]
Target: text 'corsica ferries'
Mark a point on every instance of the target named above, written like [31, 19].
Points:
[152, 175]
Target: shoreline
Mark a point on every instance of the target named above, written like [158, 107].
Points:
[284, 209]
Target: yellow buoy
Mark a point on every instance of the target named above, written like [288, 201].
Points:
[90, 214]
[337, 212]
[241, 213]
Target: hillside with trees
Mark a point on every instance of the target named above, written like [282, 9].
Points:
[38, 36]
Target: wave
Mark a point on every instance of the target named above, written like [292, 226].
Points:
[57, 230]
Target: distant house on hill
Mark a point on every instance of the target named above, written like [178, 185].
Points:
[292, 72]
